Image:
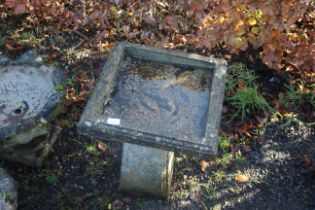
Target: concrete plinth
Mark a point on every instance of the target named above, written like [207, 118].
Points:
[146, 170]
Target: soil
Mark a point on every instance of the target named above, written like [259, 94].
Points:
[78, 174]
[76, 178]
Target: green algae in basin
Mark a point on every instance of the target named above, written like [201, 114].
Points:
[158, 98]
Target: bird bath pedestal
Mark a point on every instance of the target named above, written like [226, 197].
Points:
[156, 102]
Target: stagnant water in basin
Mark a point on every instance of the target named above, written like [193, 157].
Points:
[160, 99]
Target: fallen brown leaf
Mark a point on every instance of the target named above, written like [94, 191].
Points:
[245, 130]
[101, 146]
[307, 161]
[203, 165]
[241, 178]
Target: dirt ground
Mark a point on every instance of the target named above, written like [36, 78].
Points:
[78, 177]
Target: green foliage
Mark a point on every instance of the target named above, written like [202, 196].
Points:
[91, 149]
[71, 80]
[224, 143]
[104, 202]
[239, 72]
[242, 93]
[62, 194]
[52, 179]
[59, 88]
[98, 167]
[291, 119]
[218, 176]
[248, 101]
[8, 197]
[297, 97]
[228, 159]
[210, 189]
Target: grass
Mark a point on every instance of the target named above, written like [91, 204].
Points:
[228, 159]
[242, 94]
[140, 202]
[104, 202]
[218, 176]
[59, 88]
[98, 167]
[92, 150]
[291, 119]
[239, 72]
[52, 179]
[62, 194]
[247, 102]
[224, 143]
[297, 97]
[9, 198]
[210, 189]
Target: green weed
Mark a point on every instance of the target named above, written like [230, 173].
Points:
[247, 101]
[104, 202]
[71, 81]
[62, 193]
[210, 189]
[92, 150]
[297, 97]
[52, 179]
[224, 143]
[8, 197]
[291, 119]
[228, 159]
[239, 72]
[218, 176]
[140, 202]
[98, 167]
[59, 88]
[27, 37]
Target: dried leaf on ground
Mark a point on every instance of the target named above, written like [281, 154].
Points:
[245, 130]
[306, 161]
[241, 178]
[203, 165]
[101, 146]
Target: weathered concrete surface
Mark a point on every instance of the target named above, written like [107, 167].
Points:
[8, 192]
[152, 108]
[28, 102]
[146, 170]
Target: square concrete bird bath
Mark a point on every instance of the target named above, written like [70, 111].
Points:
[155, 101]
